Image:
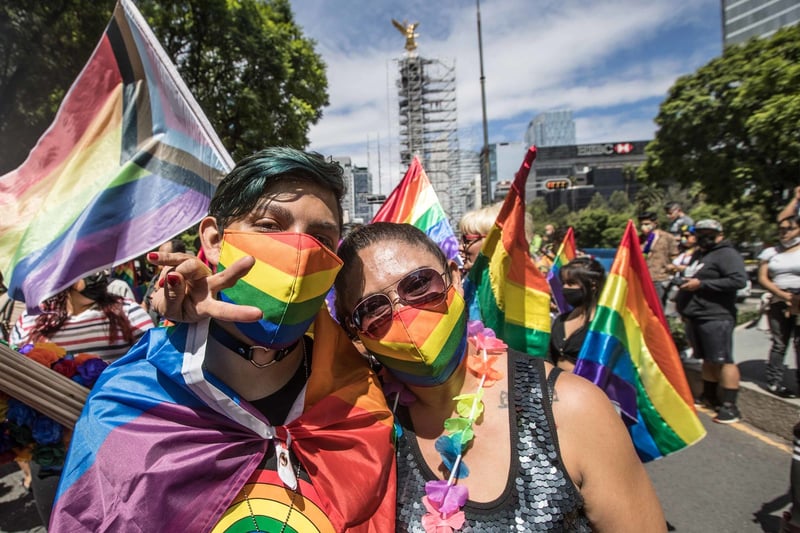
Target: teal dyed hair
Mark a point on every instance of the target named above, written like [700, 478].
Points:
[240, 191]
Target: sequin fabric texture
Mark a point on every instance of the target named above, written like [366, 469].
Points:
[542, 497]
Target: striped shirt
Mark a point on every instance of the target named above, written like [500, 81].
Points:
[88, 332]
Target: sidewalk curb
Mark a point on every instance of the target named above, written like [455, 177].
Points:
[759, 408]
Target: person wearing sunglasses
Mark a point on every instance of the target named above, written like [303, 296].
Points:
[244, 420]
[779, 273]
[556, 434]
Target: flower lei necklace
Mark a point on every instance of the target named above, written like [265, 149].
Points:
[444, 498]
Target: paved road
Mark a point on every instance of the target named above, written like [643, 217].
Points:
[735, 480]
[17, 511]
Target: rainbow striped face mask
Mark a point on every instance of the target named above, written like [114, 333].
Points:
[289, 281]
[424, 346]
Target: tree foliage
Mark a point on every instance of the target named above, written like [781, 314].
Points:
[254, 73]
[43, 46]
[733, 124]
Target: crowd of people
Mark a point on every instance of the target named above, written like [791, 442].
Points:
[391, 409]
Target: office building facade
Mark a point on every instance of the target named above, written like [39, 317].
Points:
[571, 175]
[744, 19]
[551, 128]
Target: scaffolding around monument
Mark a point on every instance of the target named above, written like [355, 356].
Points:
[428, 128]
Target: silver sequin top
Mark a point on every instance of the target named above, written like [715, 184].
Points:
[539, 495]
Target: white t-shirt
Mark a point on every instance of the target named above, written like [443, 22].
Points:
[783, 267]
[88, 332]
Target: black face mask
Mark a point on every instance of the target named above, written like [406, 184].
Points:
[706, 242]
[573, 297]
[96, 286]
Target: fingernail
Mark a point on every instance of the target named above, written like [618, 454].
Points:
[153, 256]
[161, 283]
[173, 279]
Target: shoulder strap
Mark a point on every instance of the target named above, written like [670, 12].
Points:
[551, 382]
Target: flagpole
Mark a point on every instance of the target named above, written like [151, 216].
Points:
[485, 151]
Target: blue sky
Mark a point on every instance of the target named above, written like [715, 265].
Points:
[610, 61]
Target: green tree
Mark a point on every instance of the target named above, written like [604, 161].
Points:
[248, 64]
[43, 46]
[254, 73]
[618, 201]
[597, 202]
[733, 124]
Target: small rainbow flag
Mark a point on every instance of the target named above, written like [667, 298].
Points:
[513, 295]
[566, 253]
[414, 202]
[629, 353]
[129, 161]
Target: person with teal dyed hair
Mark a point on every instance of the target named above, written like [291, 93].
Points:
[198, 422]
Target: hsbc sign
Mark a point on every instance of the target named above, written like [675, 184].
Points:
[605, 149]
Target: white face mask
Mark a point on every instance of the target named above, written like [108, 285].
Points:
[789, 243]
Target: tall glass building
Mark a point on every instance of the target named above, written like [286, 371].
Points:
[743, 19]
[551, 128]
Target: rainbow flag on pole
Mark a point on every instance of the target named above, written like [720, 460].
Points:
[129, 162]
[414, 202]
[629, 353]
[512, 293]
[566, 253]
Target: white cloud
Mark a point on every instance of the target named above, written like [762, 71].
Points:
[607, 60]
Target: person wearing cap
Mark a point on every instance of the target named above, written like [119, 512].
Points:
[677, 218]
[659, 249]
[707, 300]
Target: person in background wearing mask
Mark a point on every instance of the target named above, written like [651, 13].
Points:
[779, 273]
[582, 280]
[242, 421]
[659, 248]
[707, 300]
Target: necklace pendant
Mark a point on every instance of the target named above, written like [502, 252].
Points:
[285, 469]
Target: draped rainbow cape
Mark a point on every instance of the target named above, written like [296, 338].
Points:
[512, 294]
[414, 201]
[566, 253]
[162, 445]
[629, 353]
[129, 161]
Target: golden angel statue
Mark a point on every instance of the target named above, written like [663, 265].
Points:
[408, 30]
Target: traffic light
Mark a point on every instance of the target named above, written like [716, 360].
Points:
[552, 185]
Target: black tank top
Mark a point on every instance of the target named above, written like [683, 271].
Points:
[539, 494]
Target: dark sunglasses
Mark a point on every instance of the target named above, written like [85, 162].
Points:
[424, 287]
[786, 229]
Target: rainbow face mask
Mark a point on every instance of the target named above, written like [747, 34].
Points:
[424, 346]
[289, 281]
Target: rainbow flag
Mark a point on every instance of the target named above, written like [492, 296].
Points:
[629, 353]
[512, 294]
[129, 162]
[566, 253]
[162, 445]
[414, 202]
